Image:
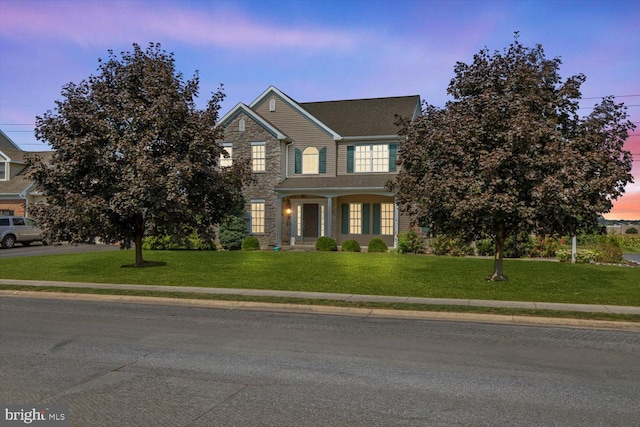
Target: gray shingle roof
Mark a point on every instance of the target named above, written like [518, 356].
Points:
[370, 181]
[364, 117]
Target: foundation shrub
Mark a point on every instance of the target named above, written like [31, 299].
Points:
[350, 246]
[250, 244]
[326, 244]
[377, 245]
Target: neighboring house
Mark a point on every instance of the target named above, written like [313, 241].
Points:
[320, 168]
[17, 191]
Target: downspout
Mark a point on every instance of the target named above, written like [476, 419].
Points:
[286, 159]
[23, 196]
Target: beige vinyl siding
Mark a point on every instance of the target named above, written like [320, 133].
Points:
[362, 239]
[301, 129]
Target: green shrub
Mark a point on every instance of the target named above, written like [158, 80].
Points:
[326, 243]
[517, 246]
[411, 242]
[350, 246]
[583, 256]
[250, 244]
[192, 240]
[452, 246]
[233, 230]
[631, 230]
[377, 245]
[485, 247]
[608, 252]
[544, 247]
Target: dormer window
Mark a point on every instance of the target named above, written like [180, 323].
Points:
[241, 125]
[272, 105]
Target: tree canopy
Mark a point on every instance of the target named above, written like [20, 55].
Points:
[133, 155]
[510, 152]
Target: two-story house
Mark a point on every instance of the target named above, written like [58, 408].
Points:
[321, 168]
[17, 191]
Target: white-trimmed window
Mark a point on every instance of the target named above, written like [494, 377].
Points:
[355, 218]
[242, 125]
[299, 219]
[371, 158]
[4, 168]
[225, 162]
[257, 216]
[272, 105]
[310, 161]
[258, 156]
[386, 219]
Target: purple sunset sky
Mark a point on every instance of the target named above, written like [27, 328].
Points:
[315, 50]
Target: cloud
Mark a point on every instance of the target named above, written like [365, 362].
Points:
[103, 23]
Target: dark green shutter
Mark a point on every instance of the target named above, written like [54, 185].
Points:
[350, 155]
[377, 218]
[365, 218]
[345, 218]
[393, 155]
[323, 160]
[298, 167]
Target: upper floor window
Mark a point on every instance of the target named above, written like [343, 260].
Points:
[272, 105]
[3, 170]
[371, 158]
[242, 125]
[311, 160]
[310, 163]
[225, 162]
[258, 156]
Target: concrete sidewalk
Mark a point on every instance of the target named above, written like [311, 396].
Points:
[587, 308]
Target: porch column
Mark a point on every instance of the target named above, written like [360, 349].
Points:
[396, 222]
[278, 220]
[329, 215]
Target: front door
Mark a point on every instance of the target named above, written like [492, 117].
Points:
[310, 221]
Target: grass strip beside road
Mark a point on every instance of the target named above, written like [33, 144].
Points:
[335, 303]
[353, 273]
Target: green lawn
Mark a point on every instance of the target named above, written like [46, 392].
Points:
[360, 273]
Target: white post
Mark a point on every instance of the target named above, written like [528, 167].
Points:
[573, 249]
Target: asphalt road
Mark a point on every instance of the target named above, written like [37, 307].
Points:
[37, 248]
[146, 365]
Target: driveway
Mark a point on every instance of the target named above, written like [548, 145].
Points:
[36, 249]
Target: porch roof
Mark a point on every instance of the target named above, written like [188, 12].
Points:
[341, 184]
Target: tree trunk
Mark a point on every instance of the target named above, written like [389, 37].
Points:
[137, 239]
[498, 275]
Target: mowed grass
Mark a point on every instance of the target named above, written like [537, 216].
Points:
[358, 273]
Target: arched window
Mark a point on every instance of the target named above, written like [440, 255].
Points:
[310, 161]
[272, 105]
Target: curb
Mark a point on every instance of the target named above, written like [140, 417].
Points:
[335, 311]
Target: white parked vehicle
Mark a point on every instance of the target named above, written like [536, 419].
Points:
[18, 229]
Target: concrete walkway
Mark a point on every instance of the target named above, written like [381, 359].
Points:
[587, 308]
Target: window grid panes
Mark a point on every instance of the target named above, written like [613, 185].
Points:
[362, 158]
[380, 158]
[257, 217]
[258, 157]
[355, 218]
[299, 219]
[310, 161]
[371, 158]
[3, 169]
[226, 161]
[321, 220]
[386, 219]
